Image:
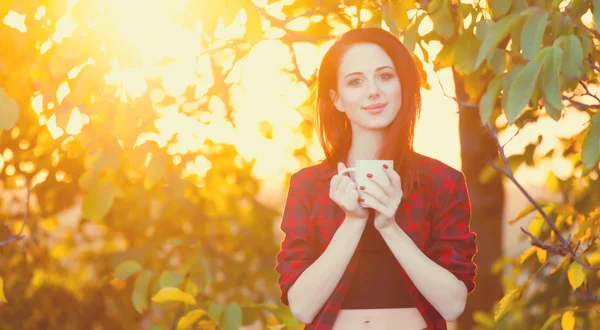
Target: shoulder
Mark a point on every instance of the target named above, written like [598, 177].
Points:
[436, 173]
[311, 176]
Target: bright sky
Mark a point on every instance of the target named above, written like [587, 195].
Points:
[264, 94]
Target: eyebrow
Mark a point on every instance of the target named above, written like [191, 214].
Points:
[378, 69]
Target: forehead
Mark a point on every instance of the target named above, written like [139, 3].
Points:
[364, 57]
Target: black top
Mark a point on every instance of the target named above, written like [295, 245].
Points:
[376, 283]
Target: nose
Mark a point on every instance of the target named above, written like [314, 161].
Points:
[373, 90]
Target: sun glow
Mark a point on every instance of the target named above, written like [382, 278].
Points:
[262, 96]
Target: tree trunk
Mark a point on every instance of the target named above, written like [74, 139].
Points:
[487, 202]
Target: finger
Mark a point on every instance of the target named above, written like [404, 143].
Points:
[383, 183]
[394, 178]
[351, 186]
[368, 201]
[341, 166]
[335, 182]
[377, 194]
[350, 195]
[344, 182]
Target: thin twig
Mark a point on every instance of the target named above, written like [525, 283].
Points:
[518, 131]
[566, 244]
[587, 296]
[580, 105]
[587, 91]
[456, 99]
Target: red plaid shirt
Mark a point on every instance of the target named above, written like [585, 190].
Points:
[436, 217]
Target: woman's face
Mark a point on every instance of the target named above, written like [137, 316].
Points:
[369, 90]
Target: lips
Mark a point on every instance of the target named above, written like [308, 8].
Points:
[375, 108]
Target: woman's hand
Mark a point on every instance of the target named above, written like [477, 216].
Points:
[343, 191]
[386, 200]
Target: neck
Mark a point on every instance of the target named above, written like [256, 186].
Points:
[365, 145]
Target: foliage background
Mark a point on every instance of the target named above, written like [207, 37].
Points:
[130, 190]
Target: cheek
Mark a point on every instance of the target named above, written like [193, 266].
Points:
[351, 97]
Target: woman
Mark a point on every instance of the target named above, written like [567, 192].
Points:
[402, 257]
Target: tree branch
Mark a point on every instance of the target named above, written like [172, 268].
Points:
[566, 244]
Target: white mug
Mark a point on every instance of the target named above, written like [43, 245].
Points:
[364, 166]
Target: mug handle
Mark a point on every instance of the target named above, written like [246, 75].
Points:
[349, 169]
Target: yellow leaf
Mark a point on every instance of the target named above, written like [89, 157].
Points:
[506, 302]
[254, 32]
[525, 255]
[568, 321]
[156, 169]
[2, 296]
[535, 226]
[276, 327]
[190, 318]
[576, 275]
[550, 320]
[9, 111]
[206, 325]
[171, 294]
[542, 255]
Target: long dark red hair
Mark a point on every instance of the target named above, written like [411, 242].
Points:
[333, 127]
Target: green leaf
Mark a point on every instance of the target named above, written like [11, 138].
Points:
[499, 60]
[590, 150]
[215, 311]
[286, 316]
[169, 278]
[445, 57]
[572, 56]
[521, 90]
[126, 269]
[156, 169]
[388, 16]
[409, 38]
[486, 104]
[139, 297]
[99, 200]
[442, 21]
[9, 111]
[597, 15]
[495, 35]
[550, 320]
[232, 318]
[190, 318]
[550, 81]
[533, 33]
[510, 77]
[499, 7]
[482, 28]
[465, 52]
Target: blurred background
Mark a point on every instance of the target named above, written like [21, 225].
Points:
[146, 148]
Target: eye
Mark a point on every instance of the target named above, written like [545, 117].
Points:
[354, 82]
[387, 76]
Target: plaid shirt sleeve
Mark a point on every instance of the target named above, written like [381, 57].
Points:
[297, 249]
[453, 245]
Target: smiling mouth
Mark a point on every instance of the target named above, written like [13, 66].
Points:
[376, 108]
